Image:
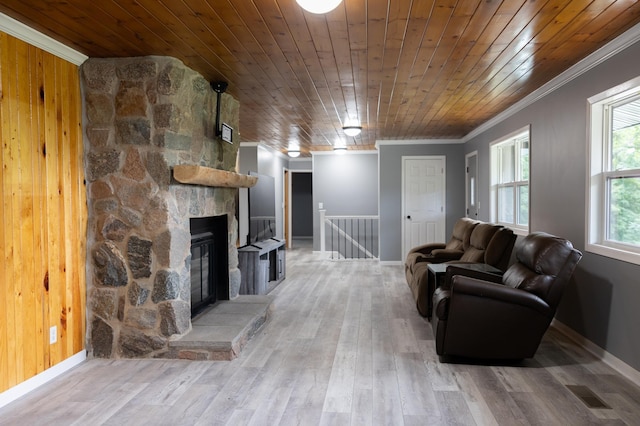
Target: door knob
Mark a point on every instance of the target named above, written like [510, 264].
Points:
[408, 217]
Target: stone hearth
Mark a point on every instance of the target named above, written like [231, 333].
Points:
[142, 117]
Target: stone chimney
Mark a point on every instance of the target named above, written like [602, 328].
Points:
[142, 116]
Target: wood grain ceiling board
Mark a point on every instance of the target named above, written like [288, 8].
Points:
[407, 69]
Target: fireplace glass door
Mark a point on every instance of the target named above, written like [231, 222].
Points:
[203, 290]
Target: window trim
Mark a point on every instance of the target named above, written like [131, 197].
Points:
[517, 229]
[598, 173]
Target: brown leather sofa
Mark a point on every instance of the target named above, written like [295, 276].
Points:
[480, 243]
[504, 321]
[452, 250]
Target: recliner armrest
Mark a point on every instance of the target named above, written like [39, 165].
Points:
[441, 303]
[444, 255]
[460, 269]
[426, 249]
[473, 287]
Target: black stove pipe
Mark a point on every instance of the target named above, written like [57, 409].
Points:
[219, 87]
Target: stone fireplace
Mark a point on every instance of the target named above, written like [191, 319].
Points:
[142, 117]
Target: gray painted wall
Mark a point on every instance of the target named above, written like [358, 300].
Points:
[602, 302]
[253, 157]
[301, 164]
[391, 191]
[345, 184]
[247, 161]
[273, 164]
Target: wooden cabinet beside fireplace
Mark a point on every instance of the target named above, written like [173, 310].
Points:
[262, 266]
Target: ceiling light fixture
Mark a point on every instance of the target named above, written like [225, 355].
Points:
[293, 153]
[318, 6]
[351, 127]
[339, 149]
[352, 130]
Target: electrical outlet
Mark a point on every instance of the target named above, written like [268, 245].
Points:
[53, 335]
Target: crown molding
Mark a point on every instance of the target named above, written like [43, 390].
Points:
[615, 46]
[347, 152]
[417, 142]
[35, 38]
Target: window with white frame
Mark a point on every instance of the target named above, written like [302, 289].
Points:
[613, 190]
[510, 180]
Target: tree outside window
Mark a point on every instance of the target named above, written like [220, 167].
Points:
[623, 176]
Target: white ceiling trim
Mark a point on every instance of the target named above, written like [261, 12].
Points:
[37, 39]
[347, 152]
[417, 142]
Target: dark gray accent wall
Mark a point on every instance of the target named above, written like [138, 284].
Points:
[346, 185]
[602, 300]
[301, 205]
[391, 191]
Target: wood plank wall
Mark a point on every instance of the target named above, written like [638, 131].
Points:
[42, 213]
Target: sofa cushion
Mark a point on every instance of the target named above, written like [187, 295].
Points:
[498, 252]
[520, 276]
[540, 258]
[461, 233]
[478, 242]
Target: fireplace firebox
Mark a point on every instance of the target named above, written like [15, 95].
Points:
[209, 262]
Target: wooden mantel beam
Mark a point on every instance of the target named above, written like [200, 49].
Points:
[206, 176]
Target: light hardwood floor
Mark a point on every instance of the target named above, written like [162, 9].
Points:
[345, 345]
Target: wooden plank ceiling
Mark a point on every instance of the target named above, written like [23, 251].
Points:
[407, 69]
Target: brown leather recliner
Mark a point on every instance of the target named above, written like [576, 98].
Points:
[454, 249]
[419, 257]
[486, 320]
[488, 243]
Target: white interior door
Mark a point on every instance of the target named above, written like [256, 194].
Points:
[423, 201]
[472, 185]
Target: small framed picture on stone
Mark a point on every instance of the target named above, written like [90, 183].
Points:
[227, 133]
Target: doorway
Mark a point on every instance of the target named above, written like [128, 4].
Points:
[423, 201]
[299, 208]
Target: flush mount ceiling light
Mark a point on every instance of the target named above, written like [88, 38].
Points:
[351, 127]
[339, 149]
[318, 6]
[352, 130]
[293, 153]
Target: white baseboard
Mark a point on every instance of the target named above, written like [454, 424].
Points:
[27, 386]
[614, 362]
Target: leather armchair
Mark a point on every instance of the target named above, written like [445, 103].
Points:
[481, 319]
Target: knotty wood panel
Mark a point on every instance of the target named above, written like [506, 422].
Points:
[43, 211]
